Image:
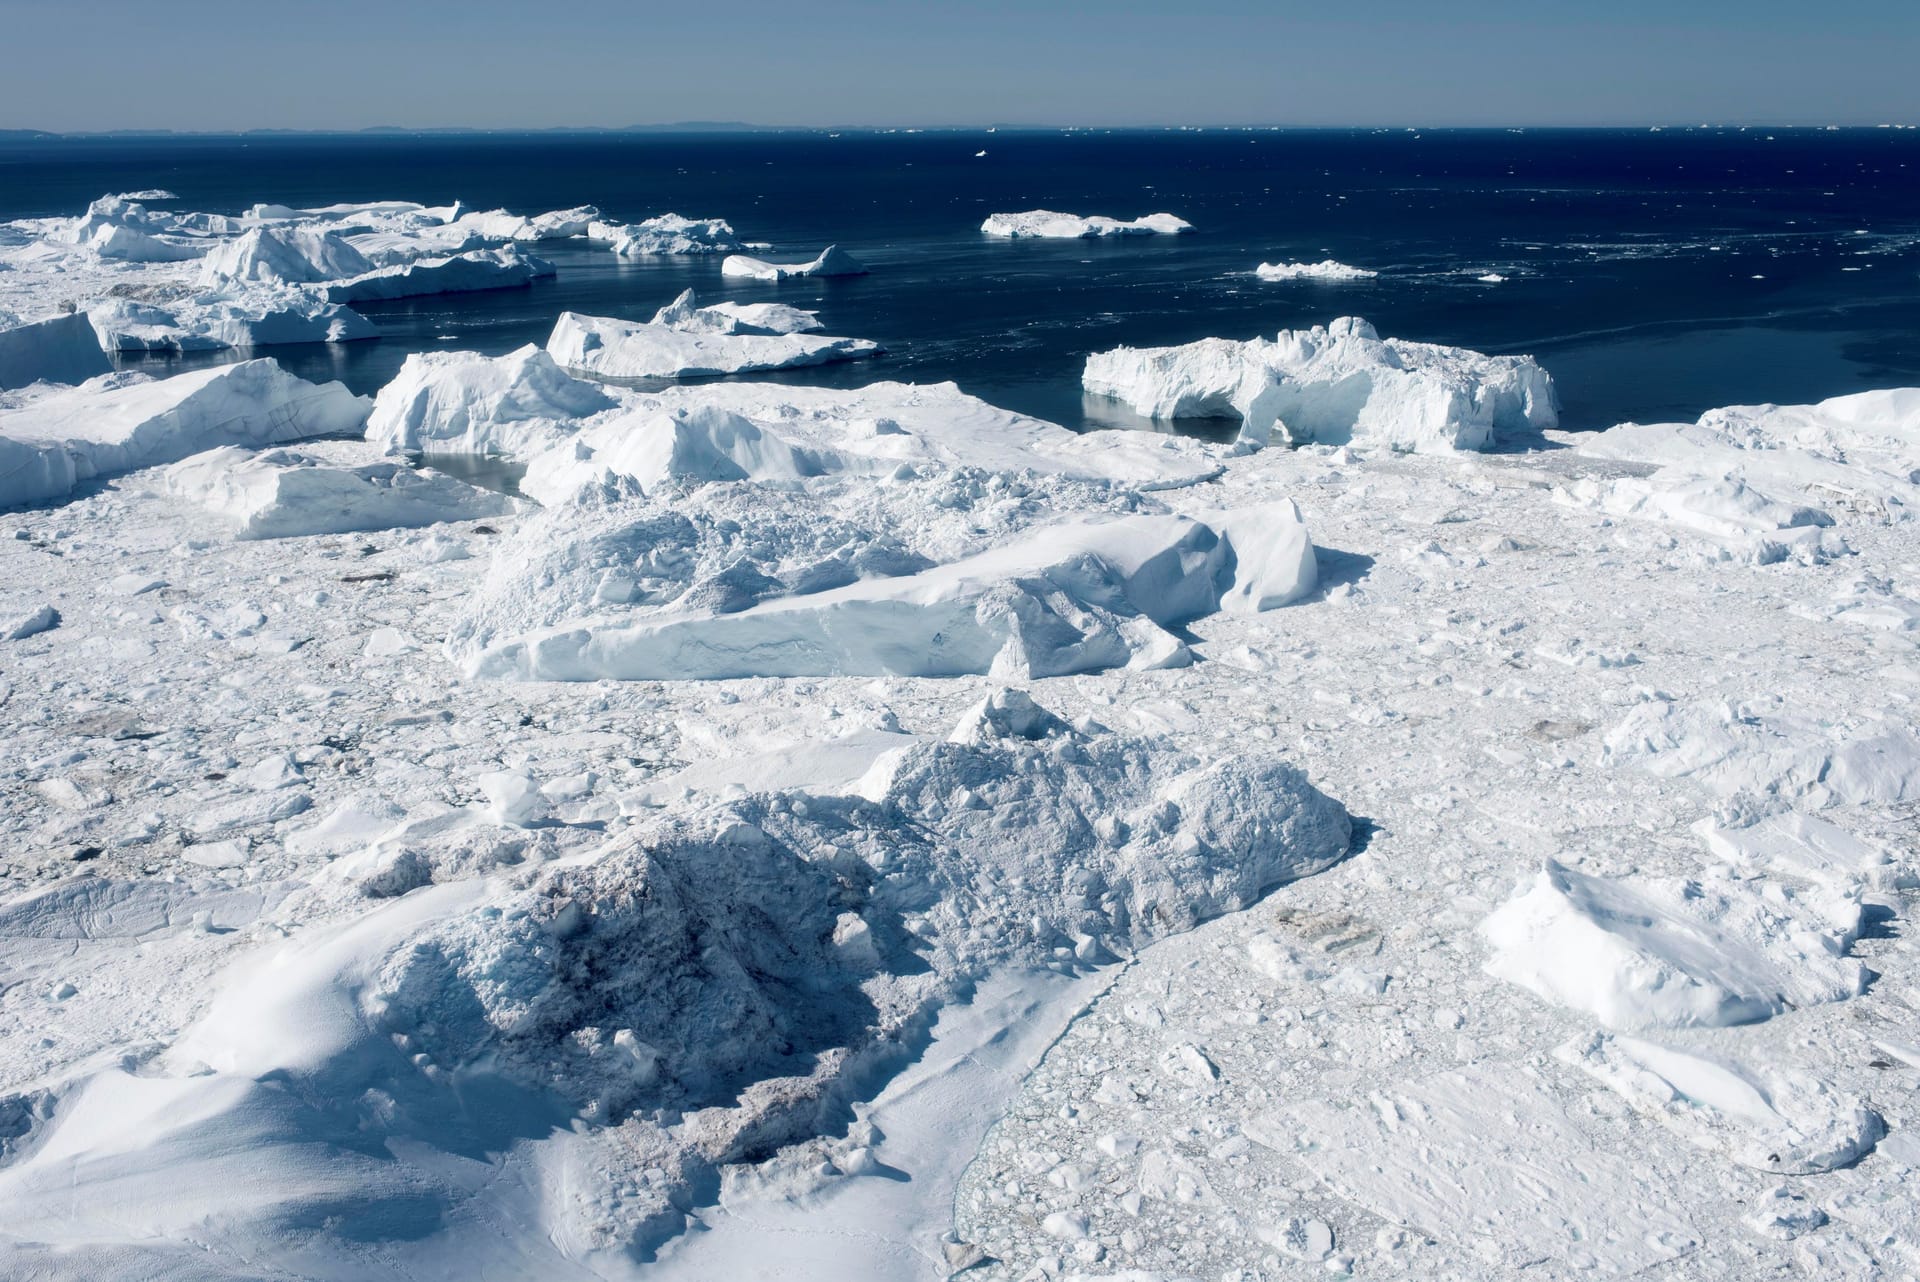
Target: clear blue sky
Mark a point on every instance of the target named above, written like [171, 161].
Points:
[219, 64]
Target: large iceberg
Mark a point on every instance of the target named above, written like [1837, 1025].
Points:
[1334, 384]
[52, 444]
[1077, 596]
[60, 349]
[1048, 225]
[667, 234]
[480, 269]
[216, 321]
[833, 261]
[284, 255]
[465, 403]
[689, 343]
[284, 493]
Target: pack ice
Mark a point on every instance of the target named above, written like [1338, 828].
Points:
[1333, 384]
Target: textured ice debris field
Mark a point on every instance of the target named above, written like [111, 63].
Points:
[1103, 856]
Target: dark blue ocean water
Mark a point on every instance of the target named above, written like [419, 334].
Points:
[1655, 273]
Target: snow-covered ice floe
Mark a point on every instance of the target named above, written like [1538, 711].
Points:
[685, 340]
[1335, 384]
[831, 261]
[1048, 225]
[1326, 269]
[117, 424]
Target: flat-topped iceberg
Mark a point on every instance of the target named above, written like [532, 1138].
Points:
[1334, 384]
[215, 321]
[471, 272]
[1046, 224]
[833, 261]
[60, 349]
[667, 234]
[1326, 269]
[689, 346]
[52, 444]
[284, 493]
[465, 403]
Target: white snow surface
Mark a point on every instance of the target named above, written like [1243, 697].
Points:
[1049, 225]
[1335, 384]
[320, 958]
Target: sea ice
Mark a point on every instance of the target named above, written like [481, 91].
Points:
[464, 403]
[1327, 269]
[283, 493]
[832, 261]
[687, 346]
[1048, 225]
[60, 349]
[668, 234]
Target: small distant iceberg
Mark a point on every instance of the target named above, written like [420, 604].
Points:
[833, 261]
[1046, 224]
[1326, 269]
[667, 234]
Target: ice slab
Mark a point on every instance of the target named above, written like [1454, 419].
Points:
[832, 261]
[60, 349]
[604, 347]
[465, 403]
[283, 493]
[1046, 224]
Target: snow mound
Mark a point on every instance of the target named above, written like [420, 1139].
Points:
[289, 255]
[284, 493]
[1048, 225]
[1804, 846]
[1326, 269]
[833, 261]
[604, 347]
[1335, 384]
[506, 268]
[668, 234]
[1782, 1121]
[1073, 597]
[60, 349]
[55, 443]
[1856, 455]
[1728, 511]
[464, 403]
[698, 990]
[1637, 953]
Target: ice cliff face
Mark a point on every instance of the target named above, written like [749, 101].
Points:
[1333, 384]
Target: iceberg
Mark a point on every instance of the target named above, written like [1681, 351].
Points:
[283, 493]
[688, 313]
[667, 234]
[604, 347]
[465, 403]
[1045, 224]
[60, 349]
[1326, 269]
[833, 261]
[57, 442]
[217, 321]
[291, 255]
[1334, 384]
[1077, 596]
[506, 268]
[129, 244]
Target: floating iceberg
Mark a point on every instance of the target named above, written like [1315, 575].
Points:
[283, 493]
[1327, 269]
[216, 321]
[53, 444]
[1048, 225]
[480, 269]
[1334, 384]
[688, 313]
[61, 349]
[465, 403]
[1073, 597]
[291, 255]
[688, 346]
[668, 234]
[833, 261]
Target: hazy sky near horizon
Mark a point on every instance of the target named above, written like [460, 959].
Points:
[349, 64]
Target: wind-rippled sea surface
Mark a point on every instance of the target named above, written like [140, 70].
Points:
[1656, 274]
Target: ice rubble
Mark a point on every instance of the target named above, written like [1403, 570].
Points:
[1638, 954]
[706, 986]
[52, 444]
[1072, 597]
[832, 261]
[1326, 269]
[284, 493]
[1049, 225]
[60, 349]
[686, 342]
[1334, 384]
